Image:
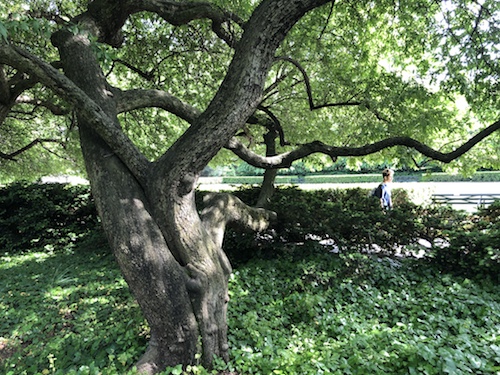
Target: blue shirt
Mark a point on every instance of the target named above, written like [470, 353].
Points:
[386, 196]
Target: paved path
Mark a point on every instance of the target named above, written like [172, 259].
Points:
[420, 192]
[432, 187]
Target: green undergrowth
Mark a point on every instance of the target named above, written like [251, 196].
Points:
[310, 312]
[333, 314]
[67, 313]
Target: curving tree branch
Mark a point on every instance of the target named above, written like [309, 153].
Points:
[284, 160]
[12, 156]
[139, 98]
[174, 12]
[276, 124]
[134, 99]
[222, 209]
[64, 87]
[307, 82]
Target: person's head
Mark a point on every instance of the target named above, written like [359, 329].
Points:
[387, 175]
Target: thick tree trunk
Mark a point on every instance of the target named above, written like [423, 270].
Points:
[174, 268]
[171, 256]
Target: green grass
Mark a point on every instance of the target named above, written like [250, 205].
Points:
[315, 314]
[67, 314]
[489, 176]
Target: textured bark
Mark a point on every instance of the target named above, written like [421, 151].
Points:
[156, 279]
[267, 189]
[170, 256]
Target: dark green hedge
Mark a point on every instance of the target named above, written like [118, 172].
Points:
[46, 217]
[56, 217]
[343, 219]
[351, 221]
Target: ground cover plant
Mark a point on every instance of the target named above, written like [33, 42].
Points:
[311, 313]
[297, 306]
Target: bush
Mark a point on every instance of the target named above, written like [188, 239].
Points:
[45, 216]
[346, 219]
[55, 217]
[473, 244]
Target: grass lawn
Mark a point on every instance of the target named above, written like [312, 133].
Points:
[314, 313]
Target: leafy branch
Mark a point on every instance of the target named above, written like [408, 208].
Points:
[284, 160]
[12, 156]
[134, 99]
[64, 87]
[307, 83]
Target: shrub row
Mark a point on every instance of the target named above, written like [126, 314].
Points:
[37, 217]
[49, 217]
[348, 220]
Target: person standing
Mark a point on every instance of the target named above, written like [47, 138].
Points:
[385, 189]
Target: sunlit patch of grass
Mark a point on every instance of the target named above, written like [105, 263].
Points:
[322, 314]
[65, 312]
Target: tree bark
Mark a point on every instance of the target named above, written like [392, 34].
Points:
[170, 256]
[267, 188]
[174, 268]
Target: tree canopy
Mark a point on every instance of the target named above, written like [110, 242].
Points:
[349, 74]
[149, 92]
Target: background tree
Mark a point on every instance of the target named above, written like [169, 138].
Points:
[153, 91]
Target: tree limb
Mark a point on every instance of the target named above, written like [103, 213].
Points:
[64, 87]
[222, 209]
[307, 82]
[284, 160]
[12, 156]
[148, 76]
[110, 16]
[135, 99]
[276, 124]
[177, 14]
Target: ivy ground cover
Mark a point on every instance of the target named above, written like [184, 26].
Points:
[320, 313]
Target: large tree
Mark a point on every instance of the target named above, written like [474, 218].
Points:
[157, 89]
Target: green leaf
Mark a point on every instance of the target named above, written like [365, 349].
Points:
[3, 32]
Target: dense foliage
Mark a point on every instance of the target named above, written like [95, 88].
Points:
[353, 74]
[50, 217]
[299, 304]
[314, 313]
[45, 216]
[348, 220]
[474, 244]
[360, 315]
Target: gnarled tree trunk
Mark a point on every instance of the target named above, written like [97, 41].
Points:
[170, 257]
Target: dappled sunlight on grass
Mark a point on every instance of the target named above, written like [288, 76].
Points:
[318, 313]
[65, 311]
